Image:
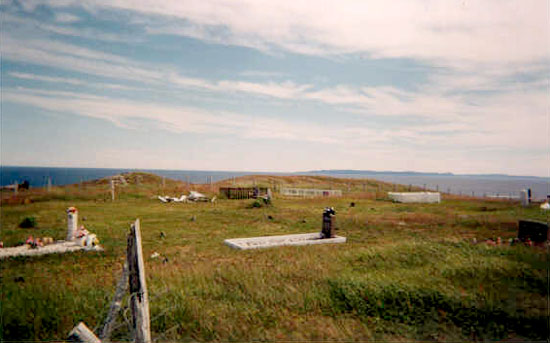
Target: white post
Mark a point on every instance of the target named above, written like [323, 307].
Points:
[72, 222]
[524, 198]
[49, 184]
[15, 187]
[112, 190]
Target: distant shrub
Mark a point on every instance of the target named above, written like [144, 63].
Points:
[260, 202]
[28, 222]
[257, 203]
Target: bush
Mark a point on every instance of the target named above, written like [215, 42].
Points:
[28, 222]
[257, 203]
[260, 202]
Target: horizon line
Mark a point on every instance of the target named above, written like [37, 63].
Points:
[290, 172]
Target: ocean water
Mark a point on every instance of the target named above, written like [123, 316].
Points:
[38, 176]
[456, 184]
[478, 185]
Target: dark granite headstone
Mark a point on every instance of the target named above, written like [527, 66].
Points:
[329, 223]
[536, 231]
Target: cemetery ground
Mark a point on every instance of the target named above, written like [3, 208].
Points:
[407, 272]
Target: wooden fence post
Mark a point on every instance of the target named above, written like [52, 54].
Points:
[112, 190]
[139, 301]
[82, 334]
[121, 289]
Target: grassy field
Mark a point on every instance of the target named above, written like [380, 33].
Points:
[407, 272]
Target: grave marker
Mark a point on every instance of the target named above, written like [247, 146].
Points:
[536, 231]
[72, 223]
[524, 198]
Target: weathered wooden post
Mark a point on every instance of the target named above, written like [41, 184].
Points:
[116, 305]
[132, 279]
[49, 187]
[72, 223]
[15, 187]
[112, 190]
[163, 182]
[139, 301]
[82, 334]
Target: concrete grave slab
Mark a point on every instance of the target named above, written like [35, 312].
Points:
[282, 240]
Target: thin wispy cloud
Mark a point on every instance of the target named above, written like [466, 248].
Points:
[429, 79]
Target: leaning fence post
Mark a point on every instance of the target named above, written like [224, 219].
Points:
[82, 334]
[116, 305]
[139, 301]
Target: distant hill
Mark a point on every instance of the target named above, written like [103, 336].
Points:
[341, 172]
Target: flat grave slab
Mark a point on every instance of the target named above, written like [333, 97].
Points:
[60, 247]
[282, 240]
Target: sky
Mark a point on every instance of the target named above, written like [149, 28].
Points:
[251, 85]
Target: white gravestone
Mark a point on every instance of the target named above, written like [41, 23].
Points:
[72, 222]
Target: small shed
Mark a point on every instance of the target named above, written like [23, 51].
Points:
[244, 192]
